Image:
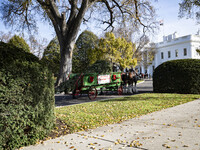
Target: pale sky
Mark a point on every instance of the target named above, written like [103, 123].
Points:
[167, 10]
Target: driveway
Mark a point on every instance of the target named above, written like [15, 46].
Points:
[63, 100]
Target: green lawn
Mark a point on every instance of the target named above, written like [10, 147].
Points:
[95, 114]
[140, 81]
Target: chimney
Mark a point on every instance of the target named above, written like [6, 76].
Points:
[175, 35]
[164, 38]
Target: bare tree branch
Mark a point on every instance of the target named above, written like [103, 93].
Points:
[110, 22]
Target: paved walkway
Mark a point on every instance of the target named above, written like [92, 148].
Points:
[63, 100]
[176, 128]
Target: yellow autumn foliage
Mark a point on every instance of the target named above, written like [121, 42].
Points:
[115, 50]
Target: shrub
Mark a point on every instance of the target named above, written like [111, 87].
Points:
[26, 98]
[178, 76]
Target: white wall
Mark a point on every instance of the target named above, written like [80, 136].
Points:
[178, 44]
[190, 42]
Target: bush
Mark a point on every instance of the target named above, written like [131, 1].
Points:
[26, 98]
[178, 76]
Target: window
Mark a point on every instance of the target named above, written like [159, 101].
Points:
[176, 53]
[185, 51]
[197, 51]
[169, 54]
[162, 55]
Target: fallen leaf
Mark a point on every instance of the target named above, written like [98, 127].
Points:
[119, 140]
[116, 143]
[173, 140]
[165, 145]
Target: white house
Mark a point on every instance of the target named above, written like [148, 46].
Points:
[172, 48]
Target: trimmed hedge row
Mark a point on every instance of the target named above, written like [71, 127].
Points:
[26, 98]
[178, 76]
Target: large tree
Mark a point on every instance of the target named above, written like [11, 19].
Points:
[190, 9]
[66, 17]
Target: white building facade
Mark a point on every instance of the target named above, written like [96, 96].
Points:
[173, 48]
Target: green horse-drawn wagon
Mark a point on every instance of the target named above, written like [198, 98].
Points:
[91, 83]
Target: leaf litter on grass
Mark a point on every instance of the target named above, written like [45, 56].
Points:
[100, 113]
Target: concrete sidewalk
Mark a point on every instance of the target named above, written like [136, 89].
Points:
[176, 128]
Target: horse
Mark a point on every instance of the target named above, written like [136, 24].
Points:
[129, 78]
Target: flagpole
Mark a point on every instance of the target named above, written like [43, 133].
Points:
[163, 30]
[162, 24]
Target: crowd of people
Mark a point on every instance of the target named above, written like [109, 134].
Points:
[144, 76]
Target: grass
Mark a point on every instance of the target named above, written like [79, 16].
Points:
[140, 81]
[95, 114]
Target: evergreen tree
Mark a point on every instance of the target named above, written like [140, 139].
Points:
[19, 42]
[51, 56]
[86, 41]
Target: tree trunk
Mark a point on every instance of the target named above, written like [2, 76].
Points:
[67, 37]
[65, 62]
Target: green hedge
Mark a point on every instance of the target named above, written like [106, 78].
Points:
[178, 76]
[26, 98]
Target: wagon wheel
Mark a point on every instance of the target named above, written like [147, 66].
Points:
[76, 93]
[120, 90]
[92, 93]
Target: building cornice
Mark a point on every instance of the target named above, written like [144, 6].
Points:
[177, 41]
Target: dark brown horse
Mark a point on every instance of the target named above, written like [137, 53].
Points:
[128, 79]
